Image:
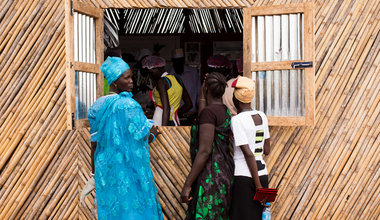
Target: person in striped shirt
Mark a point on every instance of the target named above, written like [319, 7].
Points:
[251, 141]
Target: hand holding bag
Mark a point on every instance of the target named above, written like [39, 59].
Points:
[265, 194]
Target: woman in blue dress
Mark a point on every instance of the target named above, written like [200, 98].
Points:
[124, 183]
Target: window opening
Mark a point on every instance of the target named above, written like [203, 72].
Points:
[200, 33]
[84, 51]
[279, 55]
[278, 38]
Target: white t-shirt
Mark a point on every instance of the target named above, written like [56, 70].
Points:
[246, 132]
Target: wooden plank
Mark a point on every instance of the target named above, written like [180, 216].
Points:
[86, 67]
[99, 39]
[87, 9]
[82, 123]
[274, 65]
[247, 47]
[277, 9]
[309, 56]
[286, 121]
[70, 72]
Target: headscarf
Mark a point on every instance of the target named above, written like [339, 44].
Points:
[113, 68]
[244, 89]
[151, 62]
[218, 61]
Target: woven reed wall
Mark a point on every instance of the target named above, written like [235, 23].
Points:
[328, 171]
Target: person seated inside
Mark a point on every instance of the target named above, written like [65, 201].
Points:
[167, 93]
[191, 81]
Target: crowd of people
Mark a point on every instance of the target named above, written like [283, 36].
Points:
[219, 185]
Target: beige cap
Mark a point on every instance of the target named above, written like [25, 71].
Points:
[244, 89]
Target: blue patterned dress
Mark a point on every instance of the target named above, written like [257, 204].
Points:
[124, 183]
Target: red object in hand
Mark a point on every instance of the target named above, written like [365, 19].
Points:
[265, 194]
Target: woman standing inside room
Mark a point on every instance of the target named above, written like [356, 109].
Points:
[208, 186]
[251, 140]
[167, 93]
[125, 188]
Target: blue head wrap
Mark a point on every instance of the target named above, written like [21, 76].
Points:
[113, 68]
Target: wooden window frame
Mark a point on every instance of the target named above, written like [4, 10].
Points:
[72, 66]
[249, 67]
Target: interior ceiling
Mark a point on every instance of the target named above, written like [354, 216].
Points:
[175, 21]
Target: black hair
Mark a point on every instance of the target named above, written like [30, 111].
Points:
[216, 84]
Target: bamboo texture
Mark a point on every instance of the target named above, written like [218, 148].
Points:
[329, 171]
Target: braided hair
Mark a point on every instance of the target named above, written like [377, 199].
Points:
[216, 84]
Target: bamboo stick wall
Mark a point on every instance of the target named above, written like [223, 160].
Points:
[327, 171]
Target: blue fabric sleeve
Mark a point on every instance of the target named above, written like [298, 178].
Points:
[92, 122]
[124, 182]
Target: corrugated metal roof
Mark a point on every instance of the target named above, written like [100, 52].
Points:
[176, 20]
